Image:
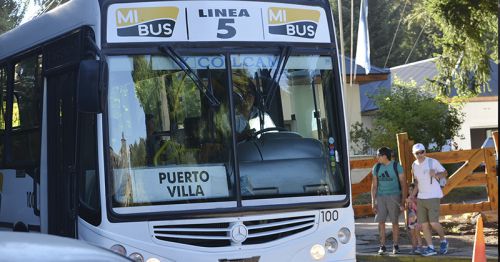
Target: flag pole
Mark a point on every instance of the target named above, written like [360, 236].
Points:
[341, 35]
[352, 67]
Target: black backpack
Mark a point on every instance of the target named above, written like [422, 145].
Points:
[395, 166]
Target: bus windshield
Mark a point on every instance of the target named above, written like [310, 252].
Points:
[168, 144]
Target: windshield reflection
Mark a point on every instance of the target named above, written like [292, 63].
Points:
[169, 144]
[158, 117]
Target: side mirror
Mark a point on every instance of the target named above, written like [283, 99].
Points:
[90, 85]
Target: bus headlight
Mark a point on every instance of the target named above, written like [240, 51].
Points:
[344, 235]
[317, 252]
[136, 257]
[331, 244]
[119, 249]
[153, 259]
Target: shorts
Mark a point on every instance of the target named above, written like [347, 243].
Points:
[414, 225]
[388, 205]
[412, 219]
[428, 210]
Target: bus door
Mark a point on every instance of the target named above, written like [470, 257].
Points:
[62, 60]
[61, 153]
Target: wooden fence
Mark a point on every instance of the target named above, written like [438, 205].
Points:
[464, 176]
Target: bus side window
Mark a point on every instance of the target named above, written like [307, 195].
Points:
[26, 112]
[89, 178]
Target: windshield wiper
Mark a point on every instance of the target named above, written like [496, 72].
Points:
[207, 91]
[280, 67]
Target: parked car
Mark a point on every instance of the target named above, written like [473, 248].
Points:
[21, 246]
[489, 143]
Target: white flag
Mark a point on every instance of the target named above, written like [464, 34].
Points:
[363, 44]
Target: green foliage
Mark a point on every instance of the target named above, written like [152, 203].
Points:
[383, 19]
[416, 112]
[11, 14]
[360, 138]
[172, 152]
[154, 88]
[138, 153]
[468, 37]
[152, 85]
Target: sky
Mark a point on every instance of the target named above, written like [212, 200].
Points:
[30, 12]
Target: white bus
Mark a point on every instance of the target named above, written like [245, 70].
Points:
[178, 130]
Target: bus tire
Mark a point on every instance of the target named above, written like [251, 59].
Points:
[20, 227]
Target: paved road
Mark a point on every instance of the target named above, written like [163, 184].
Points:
[367, 242]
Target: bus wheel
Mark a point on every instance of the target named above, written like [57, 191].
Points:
[20, 227]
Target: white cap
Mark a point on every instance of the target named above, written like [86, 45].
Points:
[417, 147]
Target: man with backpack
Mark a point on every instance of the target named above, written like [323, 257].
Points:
[388, 194]
[428, 176]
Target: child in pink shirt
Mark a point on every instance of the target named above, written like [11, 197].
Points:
[413, 226]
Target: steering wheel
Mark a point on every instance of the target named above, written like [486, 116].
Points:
[265, 130]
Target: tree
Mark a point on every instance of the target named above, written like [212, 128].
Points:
[47, 5]
[360, 138]
[468, 37]
[406, 108]
[383, 19]
[11, 14]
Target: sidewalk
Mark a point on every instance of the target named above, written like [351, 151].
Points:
[367, 245]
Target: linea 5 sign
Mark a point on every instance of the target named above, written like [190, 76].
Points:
[215, 21]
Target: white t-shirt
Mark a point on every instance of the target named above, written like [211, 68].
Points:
[426, 189]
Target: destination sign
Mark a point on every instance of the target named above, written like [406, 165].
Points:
[173, 183]
[240, 61]
[198, 21]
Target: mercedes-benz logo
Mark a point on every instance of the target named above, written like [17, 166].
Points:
[239, 233]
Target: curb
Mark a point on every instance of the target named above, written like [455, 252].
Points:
[362, 257]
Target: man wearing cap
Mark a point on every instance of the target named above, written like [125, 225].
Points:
[388, 194]
[426, 173]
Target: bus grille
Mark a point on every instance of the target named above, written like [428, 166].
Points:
[218, 234]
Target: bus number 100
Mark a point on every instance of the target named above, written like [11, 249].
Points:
[328, 216]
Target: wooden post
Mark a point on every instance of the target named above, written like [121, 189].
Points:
[405, 156]
[404, 149]
[495, 139]
[491, 177]
[491, 181]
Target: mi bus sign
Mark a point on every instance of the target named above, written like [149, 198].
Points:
[149, 22]
[293, 22]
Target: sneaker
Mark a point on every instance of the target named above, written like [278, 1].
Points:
[382, 250]
[443, 247]
[429, 252]
[395, 249]
[416, 251]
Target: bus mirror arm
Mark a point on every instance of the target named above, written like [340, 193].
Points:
[90, 86]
